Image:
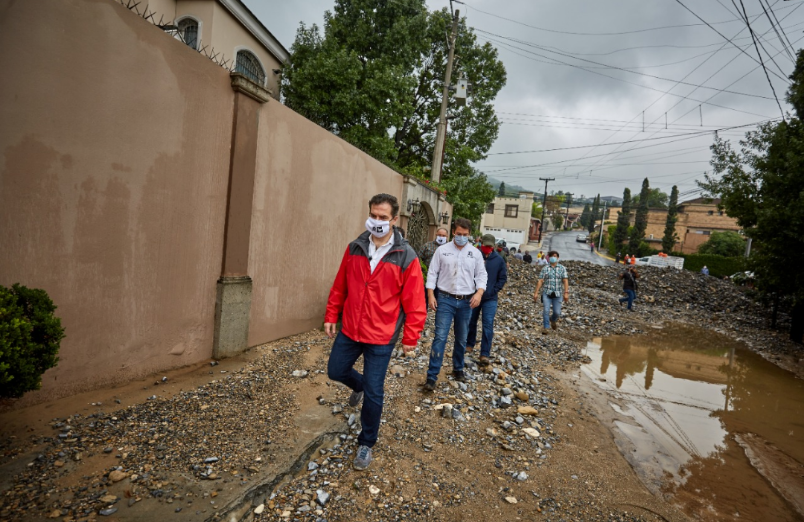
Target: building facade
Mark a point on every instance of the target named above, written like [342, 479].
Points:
[697, 219]
[508, 218]
[228, 29]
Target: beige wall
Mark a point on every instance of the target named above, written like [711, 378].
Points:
[310, 201]
[114, 153]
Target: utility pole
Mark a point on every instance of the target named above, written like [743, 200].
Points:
[544, 206]
[441, 131]
[602, 220]
[569, 197]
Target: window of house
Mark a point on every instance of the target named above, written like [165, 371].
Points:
[711, 212]
[511, 211]
[248, 65]
[707, 232]
[490, 208]
[720, 213]
[188, 31]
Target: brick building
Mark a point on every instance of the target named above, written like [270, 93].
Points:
[697, 219]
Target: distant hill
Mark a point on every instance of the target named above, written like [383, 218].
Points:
[510, 189]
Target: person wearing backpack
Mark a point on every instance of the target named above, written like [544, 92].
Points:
[630, 286]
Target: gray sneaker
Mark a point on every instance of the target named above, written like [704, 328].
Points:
[363, 458]
[355, 398]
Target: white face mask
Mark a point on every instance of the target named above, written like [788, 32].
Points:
[378, 228]
[441, 240]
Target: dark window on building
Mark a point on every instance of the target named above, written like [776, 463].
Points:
[711, 212]
[188, 31]
[490, 208]
[720, 213]
[707, 232]
[511, 211]
[248, 65]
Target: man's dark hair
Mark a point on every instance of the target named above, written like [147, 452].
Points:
[463, 223]
[550, 253]
[385, 198]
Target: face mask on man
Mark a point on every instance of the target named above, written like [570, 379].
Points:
[553, 260]
[441, 240]
[487, 250]
[461, 240]
[378, 228]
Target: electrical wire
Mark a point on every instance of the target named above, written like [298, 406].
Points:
[783, 36]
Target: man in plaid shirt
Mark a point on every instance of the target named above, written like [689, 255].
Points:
[555, 281]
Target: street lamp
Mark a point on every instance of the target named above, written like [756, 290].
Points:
[444, 218]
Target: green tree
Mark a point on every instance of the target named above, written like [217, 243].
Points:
[501, 192]
[656, 199]
[728, 244]
[558, 220]
[374, 78]
[536, 210]
[640, 219]
[762, 187]
[585, 216]
[594, 214]
[623, 222]
[670, 237]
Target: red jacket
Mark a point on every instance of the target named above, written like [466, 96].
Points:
[376, 306]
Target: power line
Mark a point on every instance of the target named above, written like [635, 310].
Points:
[724, 36]
[774, 21]
[761, 61]
[779, 23]
[592, 34]
[624, 142]
[530, 44]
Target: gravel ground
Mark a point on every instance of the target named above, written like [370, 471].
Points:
[518, 441]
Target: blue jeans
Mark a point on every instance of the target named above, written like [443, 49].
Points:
[489, 309]
[345, 352]
[556, 303]
[449, 311]
[630, 295]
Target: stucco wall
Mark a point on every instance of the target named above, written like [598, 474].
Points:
[310, 199]
[114, 151]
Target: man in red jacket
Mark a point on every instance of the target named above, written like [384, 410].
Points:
[378, 290]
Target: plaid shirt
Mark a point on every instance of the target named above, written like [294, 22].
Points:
[552, 277]
[427, 251]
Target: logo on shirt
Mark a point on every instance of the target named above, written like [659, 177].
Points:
[469, 254]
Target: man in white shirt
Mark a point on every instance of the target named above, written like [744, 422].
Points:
[459, 272]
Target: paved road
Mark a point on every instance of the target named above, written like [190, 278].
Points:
[570, 250]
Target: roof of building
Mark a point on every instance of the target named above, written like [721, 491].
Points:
[253, 24]
[701, 201]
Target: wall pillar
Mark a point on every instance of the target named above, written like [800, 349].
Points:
[233, 300]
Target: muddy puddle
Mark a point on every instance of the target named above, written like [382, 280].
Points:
[706, 423]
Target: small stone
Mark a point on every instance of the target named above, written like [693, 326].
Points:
[521, 476]
[532, 432]
[398, 371]
[311, 466]
[299, 373]
[337, 409]
[446, 411]
[351, 420]
[322, 497]
[505, 402]
[491, 432]
[527, 410]
[374, 490]
[259, 509]
[108, 511]
[210, 460]
[511, 500]
[507, 391]
[117, 475]
[58, 463]
[522, 396]
[519, 420]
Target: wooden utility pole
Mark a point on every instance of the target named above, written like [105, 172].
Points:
[544, 206]
[441, 138]
[569, 197]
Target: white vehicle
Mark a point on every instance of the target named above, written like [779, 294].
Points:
[661, 261]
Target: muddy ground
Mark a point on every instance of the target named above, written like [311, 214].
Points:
[221, 442]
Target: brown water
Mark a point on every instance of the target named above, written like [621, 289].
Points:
[706, 422]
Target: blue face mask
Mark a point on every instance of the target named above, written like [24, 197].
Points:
[553, 259]
[461, 240]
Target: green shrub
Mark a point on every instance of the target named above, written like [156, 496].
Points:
[718, 266]
[29, 339]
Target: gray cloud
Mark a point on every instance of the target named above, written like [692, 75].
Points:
[588, 109]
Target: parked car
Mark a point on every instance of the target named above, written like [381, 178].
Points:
[580, 238]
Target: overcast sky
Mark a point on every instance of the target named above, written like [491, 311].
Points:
[550, 106]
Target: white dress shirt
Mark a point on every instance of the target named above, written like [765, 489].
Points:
[457, 271]
[376, 253]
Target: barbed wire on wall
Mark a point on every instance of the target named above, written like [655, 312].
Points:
[167, 26]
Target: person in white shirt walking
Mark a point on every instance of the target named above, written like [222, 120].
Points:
[459, 272]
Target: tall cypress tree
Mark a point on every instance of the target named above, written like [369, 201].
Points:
[585, 216]
[670, 237]
[623, 222]
[595, 214]
[501, 192]
[640, 219]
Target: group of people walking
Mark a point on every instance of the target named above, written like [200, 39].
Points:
[379, 294]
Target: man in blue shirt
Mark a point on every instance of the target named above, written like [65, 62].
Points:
[555, 281]
[497, 276]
